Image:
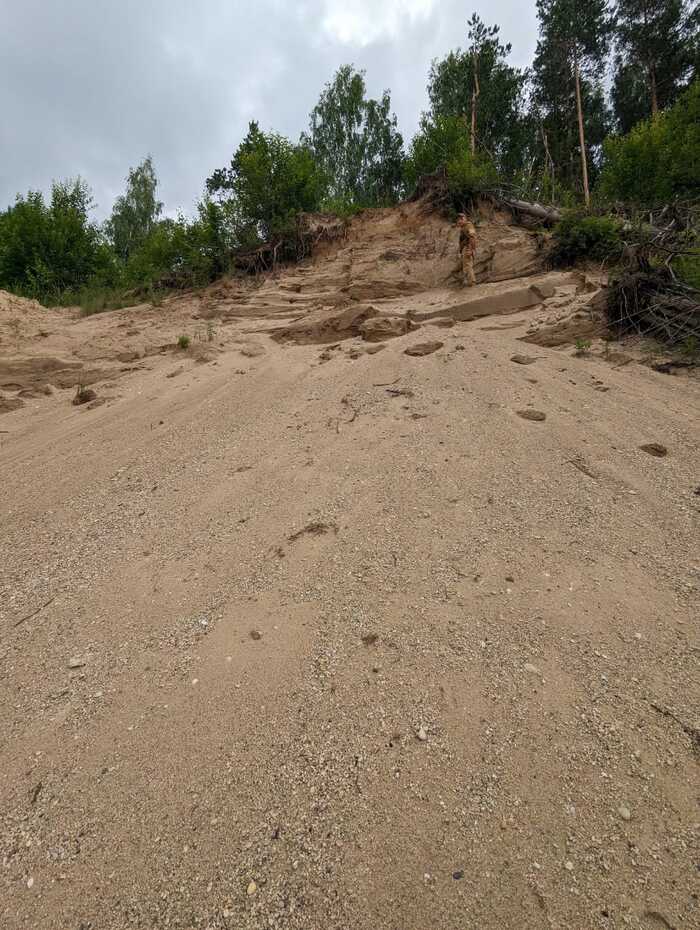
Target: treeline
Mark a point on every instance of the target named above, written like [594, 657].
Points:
[551, 132]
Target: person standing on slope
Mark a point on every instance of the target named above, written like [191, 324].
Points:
[467, 249]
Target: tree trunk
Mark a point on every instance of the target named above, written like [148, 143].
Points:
[581, 133]
[549, 215]
[475, 98]
[653, 91]
[548, 158]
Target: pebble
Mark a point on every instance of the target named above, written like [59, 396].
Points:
[537, 416]
[30, 881]
[252, 889]
[656, 449]
[624, 812]
[77, 662]
[256, 635]
[532, 669]
[458, 874]
[569, 866]
[422, 735]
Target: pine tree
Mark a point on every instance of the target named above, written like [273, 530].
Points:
[568, 67]
[481, 88]
[655, 48]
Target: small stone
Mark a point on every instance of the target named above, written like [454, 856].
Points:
[423, 348]
[422, 735]
[510, 579]
[256, 635]
[30, 881]
[535, 415]
[655, 449]
[532, 669]
[569, 866]
[458, 874]
[624, 812]
[523, 359]
[77, 662]
[252, 889]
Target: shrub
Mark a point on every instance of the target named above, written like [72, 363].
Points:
[468, 176]
[688, 269]
[47, 249]
[660, 159]
[183, 342]
[579, 236]
[443, 146]
[268, 182]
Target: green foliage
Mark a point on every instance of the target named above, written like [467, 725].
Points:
[136, 212]
[655, 40]
[582, 347]
[468, 176]
[687, 267]
[659, 160]
[183, 253]
[48, 249]
[437, 142]
[572, 34]
[444, 145]
[268, 182]
[183, 342]
[500, 120]
[356, 142]
[582, 236]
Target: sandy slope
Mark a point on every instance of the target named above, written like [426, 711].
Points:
[470, 696]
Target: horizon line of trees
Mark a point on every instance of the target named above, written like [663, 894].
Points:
[550, 131]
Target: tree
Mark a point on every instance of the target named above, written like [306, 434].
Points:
[655, 50]
[49, 249]
[481, 88]
[444, 144]
[568, 67]
[356, 142]
[268, 181]
[136, 212]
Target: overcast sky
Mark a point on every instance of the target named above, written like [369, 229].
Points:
[90, 87]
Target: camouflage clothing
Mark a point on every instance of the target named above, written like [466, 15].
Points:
[467, 248]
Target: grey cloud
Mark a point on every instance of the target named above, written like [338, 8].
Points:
[90, 86]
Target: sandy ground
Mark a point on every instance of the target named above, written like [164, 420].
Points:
[296, 639]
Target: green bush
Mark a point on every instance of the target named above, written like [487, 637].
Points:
[468, 176]
[269, 181]
[48, 249]
[659, 160]
[580, 236]
[688, 269]
[444, 145]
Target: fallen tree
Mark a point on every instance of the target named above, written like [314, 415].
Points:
[546, 215]
[654, 304]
